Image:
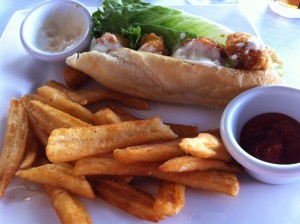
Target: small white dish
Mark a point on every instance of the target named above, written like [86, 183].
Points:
[56, 29]
[259, 100]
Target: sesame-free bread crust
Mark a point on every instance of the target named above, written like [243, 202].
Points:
[162, 78]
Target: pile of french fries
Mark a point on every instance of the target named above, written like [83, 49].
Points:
[55, 139]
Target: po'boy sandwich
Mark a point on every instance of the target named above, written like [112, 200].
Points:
[164, 54]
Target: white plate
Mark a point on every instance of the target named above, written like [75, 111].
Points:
[25, 202]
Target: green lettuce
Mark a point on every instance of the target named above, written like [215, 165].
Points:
[133, 18]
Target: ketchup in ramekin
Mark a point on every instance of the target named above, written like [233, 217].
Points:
[272, 137]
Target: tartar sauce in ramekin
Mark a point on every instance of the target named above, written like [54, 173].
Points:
[60, 31]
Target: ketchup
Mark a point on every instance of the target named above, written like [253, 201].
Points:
[272, 137]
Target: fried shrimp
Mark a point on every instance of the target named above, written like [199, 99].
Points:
[247, 51]
[153, 43]
[201, 50]
[109, 41]
[210, 44]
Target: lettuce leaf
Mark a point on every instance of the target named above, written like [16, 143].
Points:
[127, 16]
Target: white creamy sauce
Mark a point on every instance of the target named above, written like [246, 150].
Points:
[149, 48]
[255, 44]
[197, 52]
[108, 42]
[182, 36]
[61, 30]
[252, 43]
[240, 45]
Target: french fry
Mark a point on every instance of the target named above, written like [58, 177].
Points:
[109, 166]
[97, 95]
[31, 149]
[218, 181]
[74, 143]
[26, 98]
[170, 198]
[119, 178]
[184, 130]
[123, 114]
[149, 152]
[60, 101]
[72, 95]
[40, 134]
[216, 132]
[67, 206]
[191, 163]
[180, 129]
[205, 145]
[49, 118]
[128, 198]
[75, 78]
[14, 143]
[105, 116]
[58, 175]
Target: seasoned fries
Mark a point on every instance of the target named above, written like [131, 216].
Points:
[77, 152]
[75, 78]
[60, 101]
[184, 130]
[127, 198]
[170, 198]
[97, 95]
[67, 206]
[79, 142]
[31, 150]
[205, 145]
[60, 176]
[191, 163]
[39, 133]
[70, 93]
[14, 143]
[150, 152]
[49, 118]
[105, 116]
[223, 182]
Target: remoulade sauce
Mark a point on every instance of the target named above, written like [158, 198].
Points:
[272, 137]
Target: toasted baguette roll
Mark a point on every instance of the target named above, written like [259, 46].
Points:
[162, 78]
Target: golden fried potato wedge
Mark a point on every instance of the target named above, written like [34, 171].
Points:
[34, 125]
[105, 116]
[109, 166]
[75, 78]
[183, 130]
[149, 152]
[14, 143]
[50, 118]
[60, 176]
[31, 150]
[170, 198]
[205, 145]
[67, 206]
[97, 95]
[60, 101]
[191, 163]
[72, 95]
[119, 178]
[218, 181]
[128, 198]
[122, 113]
[69, 144]
[39, 133]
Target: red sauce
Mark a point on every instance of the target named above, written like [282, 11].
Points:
[272, 137]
